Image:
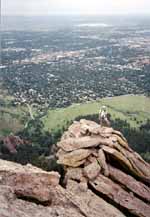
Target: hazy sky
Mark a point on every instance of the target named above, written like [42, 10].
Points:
[47, 7]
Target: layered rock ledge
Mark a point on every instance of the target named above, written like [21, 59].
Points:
[99, 159]
[104, 177]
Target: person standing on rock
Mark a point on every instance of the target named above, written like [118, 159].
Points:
[103, 117]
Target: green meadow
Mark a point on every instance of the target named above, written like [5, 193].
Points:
[133, 108]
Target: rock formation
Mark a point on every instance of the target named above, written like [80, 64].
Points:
[27, 191]
[99, 159]
[11, 143]
[103, 178]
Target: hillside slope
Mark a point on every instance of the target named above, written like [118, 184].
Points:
[133, 108]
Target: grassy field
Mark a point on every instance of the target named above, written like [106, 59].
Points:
[134, 109]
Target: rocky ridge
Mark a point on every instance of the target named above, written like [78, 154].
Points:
[104, 177]
[99, 159]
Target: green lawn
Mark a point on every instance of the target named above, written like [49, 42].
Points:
[134, 109]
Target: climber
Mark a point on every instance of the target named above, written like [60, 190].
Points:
[103, 117]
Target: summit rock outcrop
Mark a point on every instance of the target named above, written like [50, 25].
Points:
[104, 177]
[99, 159]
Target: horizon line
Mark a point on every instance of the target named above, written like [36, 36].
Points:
[75, 14]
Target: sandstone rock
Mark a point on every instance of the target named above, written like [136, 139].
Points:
[106, 171]
[90, 204]
[72, 144]
[75, 158]
[73, 131]
[142, 168]
[92, 170]
[102, 161]
[78, 143]
[120, 135]
[28, 181]
[11, 206]
[129, 182]
[139, 167]
[74, 174]
[11, 143]
[118, 156]
[121, 197]
[121, 141]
